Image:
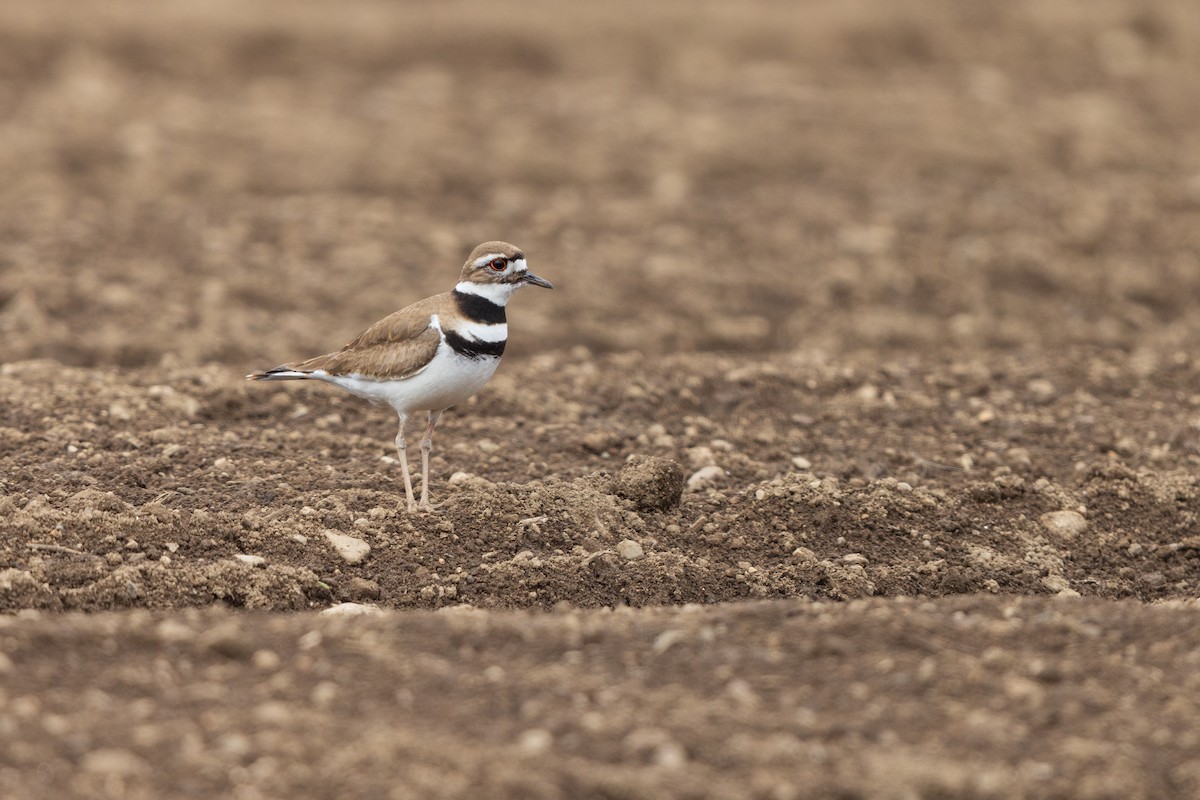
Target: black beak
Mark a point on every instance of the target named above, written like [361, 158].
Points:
[536, 281]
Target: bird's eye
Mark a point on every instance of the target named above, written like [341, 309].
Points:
[499, 264]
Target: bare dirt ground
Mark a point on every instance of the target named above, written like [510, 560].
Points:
[907, 294]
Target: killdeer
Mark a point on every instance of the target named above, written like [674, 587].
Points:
[431, 355]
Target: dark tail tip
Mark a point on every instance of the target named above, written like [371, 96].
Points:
[280, 373]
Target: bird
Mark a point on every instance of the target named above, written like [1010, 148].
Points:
[431, 355]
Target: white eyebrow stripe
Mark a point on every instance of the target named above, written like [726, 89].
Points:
[479, 262]
[519, 265]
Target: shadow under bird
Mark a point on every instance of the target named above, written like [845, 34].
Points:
[431, 355]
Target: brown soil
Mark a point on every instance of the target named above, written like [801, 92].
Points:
[905, 297]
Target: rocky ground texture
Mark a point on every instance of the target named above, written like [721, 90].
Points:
[854, 455]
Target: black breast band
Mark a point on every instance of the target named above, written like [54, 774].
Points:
[472, 349]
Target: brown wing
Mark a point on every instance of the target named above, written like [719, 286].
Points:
[399, 345]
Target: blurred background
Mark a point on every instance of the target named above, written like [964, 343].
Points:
[220, 181]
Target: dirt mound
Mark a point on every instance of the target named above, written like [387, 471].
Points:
[164, 489]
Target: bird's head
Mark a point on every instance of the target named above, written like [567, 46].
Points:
[495, 270]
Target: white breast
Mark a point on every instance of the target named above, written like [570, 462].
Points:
[448, 380]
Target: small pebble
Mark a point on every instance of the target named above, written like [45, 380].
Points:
[700, 457]
[265, 659]
[630, 550]
[254, 561]
[120, 411]
[351, 610]
[705, 477]
[1059, 585]
[351, 549]
[467, 479]
[1041, 389]
[1153, 579]
[535, 741]
[805, 555]
[1019, 456]
[1065, 524]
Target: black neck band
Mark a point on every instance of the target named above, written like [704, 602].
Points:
[479, 309]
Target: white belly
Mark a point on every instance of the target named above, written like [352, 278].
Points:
[448, 380]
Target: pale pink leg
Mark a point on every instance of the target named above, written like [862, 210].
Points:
[402, 452]
[426, 447]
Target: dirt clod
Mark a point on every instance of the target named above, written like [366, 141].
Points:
[651, 482]
[359, 589]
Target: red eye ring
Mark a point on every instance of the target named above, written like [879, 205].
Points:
[499, 264]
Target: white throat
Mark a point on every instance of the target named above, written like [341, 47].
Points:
[498, 293]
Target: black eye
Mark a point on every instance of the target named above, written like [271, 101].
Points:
[499, 264]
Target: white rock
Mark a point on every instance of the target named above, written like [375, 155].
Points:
[667, 639]
[630, 550]
[351, 610]
[468, 480]
[351, 549]
[800, 462]
[254, 561]
[705, 477]
[535, 741]
[1066, 524]
[1042, 389]
[700, 457]
[1059, 585]
[120, 411]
